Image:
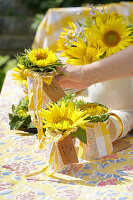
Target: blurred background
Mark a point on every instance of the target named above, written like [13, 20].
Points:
[19, 20]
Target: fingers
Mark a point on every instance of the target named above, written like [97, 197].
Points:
[71, 79]
[60, 77]
[72, 84]
[59, 69]
[68, 84]
[66, 69]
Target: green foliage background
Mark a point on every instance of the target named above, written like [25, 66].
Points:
[41, 6]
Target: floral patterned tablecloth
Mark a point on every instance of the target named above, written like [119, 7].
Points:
[109, 178]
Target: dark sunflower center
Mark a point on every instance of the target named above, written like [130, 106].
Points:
[93, 109]
[111, 38]
[62, 119]
[41, 56]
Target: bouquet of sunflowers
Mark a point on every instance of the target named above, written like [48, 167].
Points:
[40, 60]
[100, 35]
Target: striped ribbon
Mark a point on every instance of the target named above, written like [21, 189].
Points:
[33, 106]
[102, 136]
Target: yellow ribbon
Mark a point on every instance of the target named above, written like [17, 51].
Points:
[46, 78]
[119, 122]
[38, 80]
[39, 107]
[101, 129]
[46, 170]
[53, 153]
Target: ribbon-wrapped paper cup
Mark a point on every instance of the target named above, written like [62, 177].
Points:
[35, 85]
[98, 137]
[98, 141]
[52, 155]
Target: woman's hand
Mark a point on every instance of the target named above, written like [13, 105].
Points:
[76, 77]
[118, 65]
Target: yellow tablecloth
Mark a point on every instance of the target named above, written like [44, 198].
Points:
[56, 18]
[109, 178]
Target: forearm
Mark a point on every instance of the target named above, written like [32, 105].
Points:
[117, 66]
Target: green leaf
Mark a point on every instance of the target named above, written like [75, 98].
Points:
[130, 26]
[80, 134]
[10, 116]
[13, 108]
[16, 122]
[31, 126]
[79, 23]
[78, 103]
[131, 34]
[17, 118]
[2, 77]
[27, 121]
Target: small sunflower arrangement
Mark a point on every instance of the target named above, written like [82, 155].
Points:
[39, 60]
[100, 35]
[97, 131]
[64, 119]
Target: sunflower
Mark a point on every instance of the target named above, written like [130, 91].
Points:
[81, 53]
[96, 112]
[66, 37]
[19, 75]
[42, 57]
[94, 109]
[63, 119]
[104, 16]
[112, 36]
